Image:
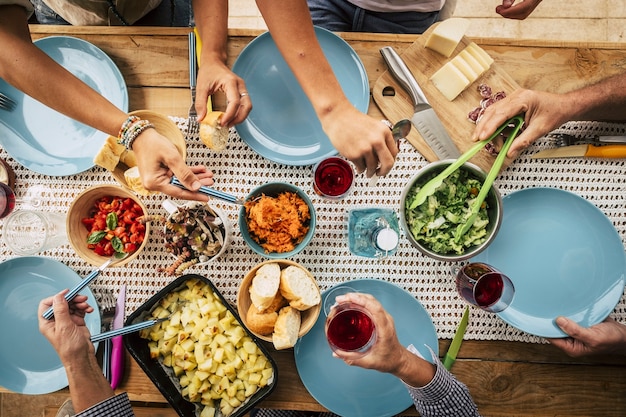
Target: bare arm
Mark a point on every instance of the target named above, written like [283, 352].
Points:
[519, 11]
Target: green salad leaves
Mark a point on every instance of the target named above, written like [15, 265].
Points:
[435, 221]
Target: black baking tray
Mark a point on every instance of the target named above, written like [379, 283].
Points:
[163, 377]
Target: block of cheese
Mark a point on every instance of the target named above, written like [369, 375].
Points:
[446, 36]
[450, 81]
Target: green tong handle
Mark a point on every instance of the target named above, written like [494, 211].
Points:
[493, 173]
[431, 186]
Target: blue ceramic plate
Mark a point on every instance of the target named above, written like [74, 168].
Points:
[282, 125]
[29, 363]
[47, 142]
[564, 257]
[357, 392]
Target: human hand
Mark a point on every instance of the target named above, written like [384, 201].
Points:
[365, 141]
[67, 332]
[606, 337]
[214, 76]
[519, 11]
[543, 112]
[158, 159]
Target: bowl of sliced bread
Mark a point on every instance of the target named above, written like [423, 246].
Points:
[279, 301]
[122, 163]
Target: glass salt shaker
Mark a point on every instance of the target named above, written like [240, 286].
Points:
[373, 232]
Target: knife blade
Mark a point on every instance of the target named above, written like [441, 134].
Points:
[117, 349]
[450, 357]
[424, 117]
[583, 151]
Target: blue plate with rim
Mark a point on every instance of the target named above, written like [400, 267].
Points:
[357, 392]
[564, 257]
[29, 363]
[282, 126]
[47, 142]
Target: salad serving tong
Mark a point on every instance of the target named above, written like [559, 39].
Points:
[431, 186]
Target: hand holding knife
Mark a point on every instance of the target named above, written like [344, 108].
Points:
[453, 350]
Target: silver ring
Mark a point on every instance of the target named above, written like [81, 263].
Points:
[387, 123]
[242, 95]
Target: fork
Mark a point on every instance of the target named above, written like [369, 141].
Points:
[106, 301]
[564, 139]
[6, 102]
[193, 127]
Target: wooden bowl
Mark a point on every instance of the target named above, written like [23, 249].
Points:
[165, 126]
[80, 208]
[308, 317]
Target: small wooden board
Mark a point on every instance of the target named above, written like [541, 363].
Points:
[395, 103]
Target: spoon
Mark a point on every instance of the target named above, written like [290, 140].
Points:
[399, 131]
[117, 257]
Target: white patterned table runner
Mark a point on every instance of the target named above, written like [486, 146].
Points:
[238, 170]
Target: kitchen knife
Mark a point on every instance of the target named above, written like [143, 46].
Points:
[117, 350]
[424, 117]
[450, 357]
[583, 151]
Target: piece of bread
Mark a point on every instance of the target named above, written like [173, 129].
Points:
[277, 303]
[109, 154]
[128, 158]
[264, 285]
[212, 133]
[297, 287]
[261, 322]
[286, 328]
[133, 180]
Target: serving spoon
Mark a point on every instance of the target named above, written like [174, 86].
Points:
[399, 131]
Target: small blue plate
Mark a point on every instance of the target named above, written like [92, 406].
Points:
[282, 126]
[29, 363]
[564, 257]
[357, 392]
[47, 142]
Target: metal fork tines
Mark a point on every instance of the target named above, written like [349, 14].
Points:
[193, 127]
[106, 302]
[6, 102]
[564, 139]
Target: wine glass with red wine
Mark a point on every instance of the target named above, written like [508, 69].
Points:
[484, 286]
[349, 327]
[7, 200]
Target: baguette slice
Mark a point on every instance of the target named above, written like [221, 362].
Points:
[261, 322]
[297, 287]
[133, 180]
[286, 328]
[212, 133]
[264, 286]
[109, 154]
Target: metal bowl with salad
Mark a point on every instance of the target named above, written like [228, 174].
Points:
[431, 226]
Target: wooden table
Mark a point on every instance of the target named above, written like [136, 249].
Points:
[505, 378]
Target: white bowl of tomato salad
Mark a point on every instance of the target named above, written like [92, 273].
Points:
[105, 219]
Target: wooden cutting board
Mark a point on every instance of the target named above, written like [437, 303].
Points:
[395, 103]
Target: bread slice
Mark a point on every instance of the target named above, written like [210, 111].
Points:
[286, 328]
[212, 133]
[128, 158]
[297, 287]
[109, 154]
[264, 285]
[133, 180]
[261, 322]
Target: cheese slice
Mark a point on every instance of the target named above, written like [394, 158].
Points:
[467, 70]
[447, 35]
[473, 62]
[450, 81]
[479, 54]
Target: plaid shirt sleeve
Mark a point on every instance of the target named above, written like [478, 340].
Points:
[444, 395]
[117, 406]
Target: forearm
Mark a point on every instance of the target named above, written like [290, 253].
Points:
[603, 101]
[30, 70]
[294, 34]
[86, 382]
[211, 19]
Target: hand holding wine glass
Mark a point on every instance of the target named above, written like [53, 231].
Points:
[349, 326]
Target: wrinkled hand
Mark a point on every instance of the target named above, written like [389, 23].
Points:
[365, 141]
[543, 112]
[606, 337]
[214, 76]
[158, 159]
[67, 332]
[386, 352]
[519, 11]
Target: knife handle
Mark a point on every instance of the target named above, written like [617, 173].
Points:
[117, 361]
[193, 60]
[606, 151]
[401, 72]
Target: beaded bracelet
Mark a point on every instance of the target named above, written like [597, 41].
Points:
[131, 128]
